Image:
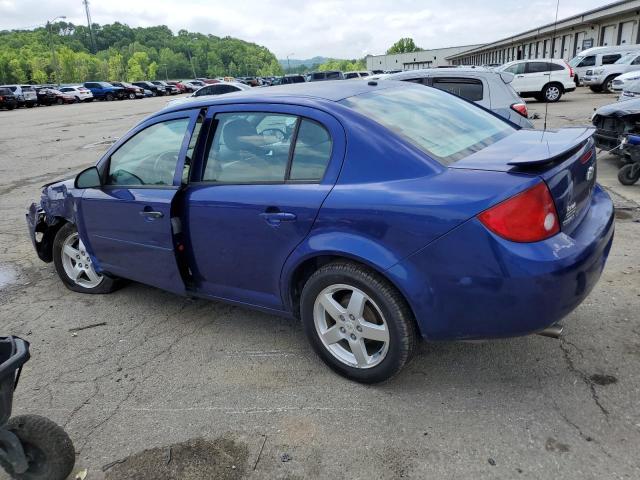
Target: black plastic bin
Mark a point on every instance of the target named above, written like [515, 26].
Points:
[14, 353]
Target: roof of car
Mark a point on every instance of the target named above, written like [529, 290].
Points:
[333, 91]
[440, 71]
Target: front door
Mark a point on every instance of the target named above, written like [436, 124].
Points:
[263, 179]
[127, 223]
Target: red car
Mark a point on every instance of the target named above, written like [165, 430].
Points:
[49, 96]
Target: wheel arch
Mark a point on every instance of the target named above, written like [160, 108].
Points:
[298, 274]
[49, 230]
[554, 82]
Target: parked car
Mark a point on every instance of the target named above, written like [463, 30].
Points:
[168, 88]
[287, 79]
[615, 122]
[487, 88]
[601, 79]
[352, 75]
[191, 86]
[80, 94]
[49, 96]
[147, 93]
[597, 57]
[374, 213]
[322, 76]
[208, 90]
[631, 90]
[179, 85]
[130, 91]
[545, 80]
[25, 94]
[7, 99]
[105, 91]
[156, 90]
[619, 83]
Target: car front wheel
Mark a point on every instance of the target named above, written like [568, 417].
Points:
[358, 323]
[74, 265]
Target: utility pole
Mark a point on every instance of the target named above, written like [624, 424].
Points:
[54, 63]
[166, 75]
[89, 24]
[191, 62]
[288, 64]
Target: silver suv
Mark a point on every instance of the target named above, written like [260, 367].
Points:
[485, 87]
[601, 79]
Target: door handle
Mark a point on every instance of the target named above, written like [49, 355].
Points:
[519, 76]
[151, 214]
[275, 218]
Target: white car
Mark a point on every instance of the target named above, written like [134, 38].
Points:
[601, 79]
[80, 93]
[543, 79]
[219, 88]
[619, 83]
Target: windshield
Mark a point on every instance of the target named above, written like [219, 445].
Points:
[626, 59]
[575, 61]
[445, 127]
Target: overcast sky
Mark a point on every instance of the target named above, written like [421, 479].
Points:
[334, 28]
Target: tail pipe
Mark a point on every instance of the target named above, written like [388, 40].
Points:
[554, 331]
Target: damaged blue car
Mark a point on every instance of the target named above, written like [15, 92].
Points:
[375, 213]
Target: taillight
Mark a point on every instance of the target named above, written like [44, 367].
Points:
[587, 156]
[529, 216]
[571, 74]
[521, 108]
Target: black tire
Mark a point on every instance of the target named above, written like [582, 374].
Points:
[108, 97]
[552, 92]
[48, 448]
[629, 174]
[132, 96]
[608, 83]
[29, 105]
[392, 305]
[576, 80]
[596, 88]
[59, 101]
[106, 285]
[154, 93]
[10, 107]
[77, 99]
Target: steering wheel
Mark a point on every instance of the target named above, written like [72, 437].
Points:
[168, 158]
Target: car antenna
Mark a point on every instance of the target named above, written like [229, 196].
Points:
[553, 46]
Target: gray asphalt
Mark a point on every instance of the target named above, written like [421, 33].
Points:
[223, 392]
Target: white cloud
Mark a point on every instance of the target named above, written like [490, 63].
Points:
[338, 28]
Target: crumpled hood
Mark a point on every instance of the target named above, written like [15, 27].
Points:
[620, 109]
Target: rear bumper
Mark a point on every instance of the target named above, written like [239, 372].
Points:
[471, 284]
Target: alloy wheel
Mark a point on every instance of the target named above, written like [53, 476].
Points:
[552, 93]
[77, 263]
[351, 326]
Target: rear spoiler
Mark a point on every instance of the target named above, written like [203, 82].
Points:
[547, 150]
[507, 77]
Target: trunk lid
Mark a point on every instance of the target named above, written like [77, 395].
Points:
[565, 159]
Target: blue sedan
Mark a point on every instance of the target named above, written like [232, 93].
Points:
[375, 213]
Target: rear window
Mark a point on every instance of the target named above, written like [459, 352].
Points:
[443, 126]
[318, 76]
[5, 91]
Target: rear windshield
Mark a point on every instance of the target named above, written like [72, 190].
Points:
[445, 127]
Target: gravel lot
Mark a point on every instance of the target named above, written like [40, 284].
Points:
[221, 392]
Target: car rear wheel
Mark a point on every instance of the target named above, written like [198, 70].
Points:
[59, 101]
[552, 92]
[629, 174]
[358, 323]
[596, 88]
[74, 265]
[77, 99]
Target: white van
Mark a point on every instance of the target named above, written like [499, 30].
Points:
[598, 56]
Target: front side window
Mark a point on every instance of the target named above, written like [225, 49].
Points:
[149, 157]
[250, 147]
[516, 69]
[589, 61]
[443, 126]
[468, 88]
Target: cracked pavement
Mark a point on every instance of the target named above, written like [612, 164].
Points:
[163, 369]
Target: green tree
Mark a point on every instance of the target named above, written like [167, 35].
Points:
[16, 72]
[404, 45]
[115, 66]
[134, 70]
[152, 71]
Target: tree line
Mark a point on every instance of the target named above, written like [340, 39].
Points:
[66, 53]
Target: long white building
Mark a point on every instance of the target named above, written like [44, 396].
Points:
[435, 57]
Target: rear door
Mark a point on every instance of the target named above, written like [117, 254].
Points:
[127, 223]
[265, 172]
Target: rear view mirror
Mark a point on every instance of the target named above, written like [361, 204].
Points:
[88, 178]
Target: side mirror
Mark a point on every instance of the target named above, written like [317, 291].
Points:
[88, 178]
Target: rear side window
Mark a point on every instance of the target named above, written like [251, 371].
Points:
[636, 61]
[468, 88]
[537, 67]
[350, 75]
[312, 152]
[333, 75]
[318, 76]
[609, 59]
[443, 126]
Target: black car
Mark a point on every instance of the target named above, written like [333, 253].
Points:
[157, 90]
[130, 91]
[322, 76]
[287, 79]
[168, 88]
[7, 99]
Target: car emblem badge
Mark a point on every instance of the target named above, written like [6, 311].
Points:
[590, 172]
